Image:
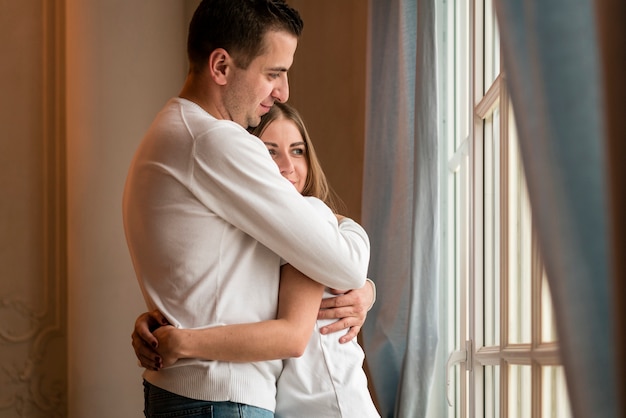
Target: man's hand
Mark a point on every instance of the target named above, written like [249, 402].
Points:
[144, 342]
[350, 308]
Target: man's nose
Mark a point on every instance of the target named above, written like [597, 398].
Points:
[281, 91]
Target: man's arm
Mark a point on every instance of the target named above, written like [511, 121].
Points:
[257, 200]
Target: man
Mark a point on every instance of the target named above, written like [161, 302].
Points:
[208, 217]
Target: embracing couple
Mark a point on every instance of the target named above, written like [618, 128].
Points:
[235, 238]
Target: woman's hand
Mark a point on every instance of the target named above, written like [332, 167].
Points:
[350, 308]
[170, 339]
[144, 342]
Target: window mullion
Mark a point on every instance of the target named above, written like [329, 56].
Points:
[476, 161]
[504, 251]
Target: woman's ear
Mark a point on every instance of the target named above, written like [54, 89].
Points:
[219, 65]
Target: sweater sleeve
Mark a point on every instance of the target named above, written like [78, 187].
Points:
[233, 175]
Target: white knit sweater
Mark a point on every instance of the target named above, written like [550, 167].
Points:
[207, 217]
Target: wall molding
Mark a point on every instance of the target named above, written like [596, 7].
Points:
[34, 383]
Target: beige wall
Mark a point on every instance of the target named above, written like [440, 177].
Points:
[327, 83]
[81, 81]
[124, 60]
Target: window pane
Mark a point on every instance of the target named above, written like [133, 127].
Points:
[462, 47]
[458, 256]
[519, 257]
[492, 229]
[548, 328]
[554, 399]
[492, 391]
[454, 296]
[492, 45]
[454, 410]
[519, 391]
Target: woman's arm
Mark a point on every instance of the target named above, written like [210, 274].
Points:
[350, 310]
[286, 336]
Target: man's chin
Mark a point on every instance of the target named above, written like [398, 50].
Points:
[254, 123]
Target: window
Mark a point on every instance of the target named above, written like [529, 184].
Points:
[499, 327]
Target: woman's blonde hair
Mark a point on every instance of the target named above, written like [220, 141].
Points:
[316, 184]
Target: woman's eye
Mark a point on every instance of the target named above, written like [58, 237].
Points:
[298, 151]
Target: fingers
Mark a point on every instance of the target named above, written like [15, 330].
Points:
[355, 299]
[146, 355]
[157, 319]
[150, 363]
[338, 313]
[347, 323]
[334, 302]
[353, 331]
[352, 334]
[142, 331]
[146, 323]
[335, 326]
[144, 342]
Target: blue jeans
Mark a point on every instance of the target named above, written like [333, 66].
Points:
[160, 403]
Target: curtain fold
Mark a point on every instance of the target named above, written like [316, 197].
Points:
[400, 204]
[611, 15]
[550, 53]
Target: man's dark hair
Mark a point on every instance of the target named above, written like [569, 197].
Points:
[238, 26]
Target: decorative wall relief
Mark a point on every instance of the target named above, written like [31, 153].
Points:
[33, 270]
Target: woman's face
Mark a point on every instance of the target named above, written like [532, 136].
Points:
[288, 149]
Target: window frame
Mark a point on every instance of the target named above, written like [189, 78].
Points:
[466, 218]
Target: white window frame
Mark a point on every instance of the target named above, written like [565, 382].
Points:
[469, 72]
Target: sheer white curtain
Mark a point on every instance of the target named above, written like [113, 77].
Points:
[400, 204]
[551, 57]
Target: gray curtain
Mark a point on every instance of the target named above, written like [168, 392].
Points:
[611, 15]
[400, 204]
[551, 57]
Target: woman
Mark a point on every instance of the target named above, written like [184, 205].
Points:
[328, 379]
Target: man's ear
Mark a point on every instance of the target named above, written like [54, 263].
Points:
[220, 62]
